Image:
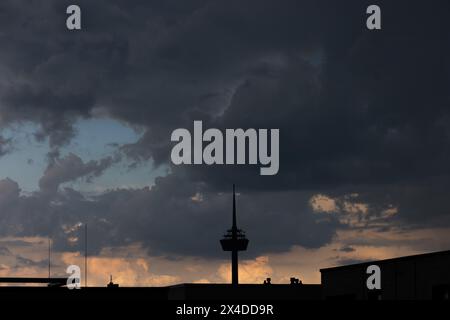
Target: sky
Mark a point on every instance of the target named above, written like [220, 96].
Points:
[86, 118]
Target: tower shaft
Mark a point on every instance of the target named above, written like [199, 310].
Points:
[234, 268]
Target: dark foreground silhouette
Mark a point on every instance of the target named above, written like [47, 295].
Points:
[177, 292]
[418, 277]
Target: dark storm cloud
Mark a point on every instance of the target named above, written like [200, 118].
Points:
[179, 217]
[5, 145]
[174, 217]
[70, 168]
[358, 111]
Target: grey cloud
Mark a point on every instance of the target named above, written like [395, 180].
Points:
[5, 145]
[347, 249]
[9, 191]
[69, 168]
[25, 262]
[4, 251]
[16, 243]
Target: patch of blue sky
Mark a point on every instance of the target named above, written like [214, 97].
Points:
[95, 139]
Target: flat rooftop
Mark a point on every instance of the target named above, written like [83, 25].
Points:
[398, 259]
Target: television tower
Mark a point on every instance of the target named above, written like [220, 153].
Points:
[234, 240]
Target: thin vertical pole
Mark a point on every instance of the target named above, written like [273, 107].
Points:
[234, 225]
[85, 255]
[234, 253]
[49, 256]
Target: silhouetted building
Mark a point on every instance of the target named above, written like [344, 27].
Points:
[193, 291]
[234, 240]
[111, 284]
[51, 282]
[421, 277]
